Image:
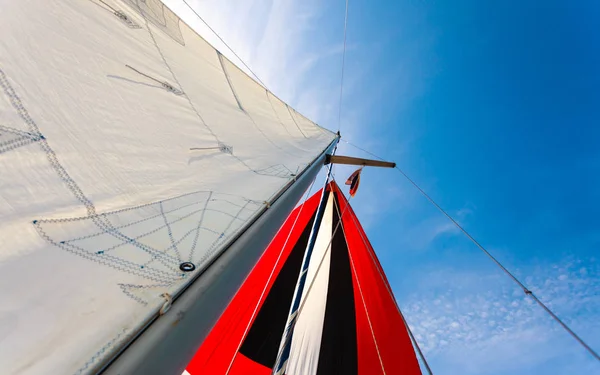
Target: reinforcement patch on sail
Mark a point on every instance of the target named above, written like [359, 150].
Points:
[346, 323]
[126, 167]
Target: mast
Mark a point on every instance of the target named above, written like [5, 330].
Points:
[169, 343]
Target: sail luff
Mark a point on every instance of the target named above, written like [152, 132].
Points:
[168, 344]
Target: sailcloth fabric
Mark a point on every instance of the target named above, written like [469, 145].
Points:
[131, 153]
[347, 322]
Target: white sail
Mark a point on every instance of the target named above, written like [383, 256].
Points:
[101, 197]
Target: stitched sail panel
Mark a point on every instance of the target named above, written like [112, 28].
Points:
[124, 158]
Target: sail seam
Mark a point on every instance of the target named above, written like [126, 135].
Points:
[99, 353]
[276, 114]
[195, 243]
[235, 96]
[294, 120]
[170, 233]
[21, 138]
[222, 236]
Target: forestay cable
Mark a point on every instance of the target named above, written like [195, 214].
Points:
[486, 252]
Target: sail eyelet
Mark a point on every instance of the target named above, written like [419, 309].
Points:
[187, 266]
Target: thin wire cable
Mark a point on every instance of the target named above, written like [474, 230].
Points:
[269, 279]
[225, 43]
[343, 65]
[385, 282]
[526, 290]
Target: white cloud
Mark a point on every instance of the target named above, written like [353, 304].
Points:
[485, 325]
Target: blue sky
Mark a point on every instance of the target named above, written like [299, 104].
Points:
[493, 108]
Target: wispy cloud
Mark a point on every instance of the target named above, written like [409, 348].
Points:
[480, 323]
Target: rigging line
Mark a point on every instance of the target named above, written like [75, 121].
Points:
[225, 43]
[526, 290]
[270, 277]
[387, 286]
[343, 64]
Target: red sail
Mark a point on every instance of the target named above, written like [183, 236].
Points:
[347, 323]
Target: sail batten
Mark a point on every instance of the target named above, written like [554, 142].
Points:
[102, 203]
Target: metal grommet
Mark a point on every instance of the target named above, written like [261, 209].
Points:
[187, 266]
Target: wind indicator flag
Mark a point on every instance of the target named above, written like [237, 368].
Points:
[354, 181]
